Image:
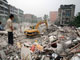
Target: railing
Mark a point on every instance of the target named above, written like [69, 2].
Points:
[3, 6]
[3, 15]
[3, 1]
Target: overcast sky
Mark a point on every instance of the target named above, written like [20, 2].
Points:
[41, 7]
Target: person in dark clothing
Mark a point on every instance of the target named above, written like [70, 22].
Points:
[10, 29]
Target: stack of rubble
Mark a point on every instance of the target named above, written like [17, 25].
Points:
[56, 43]
[61, 40]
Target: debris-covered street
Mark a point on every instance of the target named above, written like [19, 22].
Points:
[39, 29]
[55, 43]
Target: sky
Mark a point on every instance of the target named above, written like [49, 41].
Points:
[41, 7]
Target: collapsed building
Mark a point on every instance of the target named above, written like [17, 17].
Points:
[56, 43]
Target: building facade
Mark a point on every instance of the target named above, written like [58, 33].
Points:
[18, 13]
[66, 14]
[39, 19]
[20, 16]
[6, 10]
[13, 10]
[3, 11]
[30, 18]
[53, 16]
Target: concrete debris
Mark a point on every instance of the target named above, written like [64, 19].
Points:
[52, 38]
[3, 44]
[25, 52]
[76, 57]
[3, 32]
[56, 43]
[2, 55]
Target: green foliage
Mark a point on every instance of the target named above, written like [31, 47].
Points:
[76, 21]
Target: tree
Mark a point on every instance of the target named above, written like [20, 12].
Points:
[76, 21]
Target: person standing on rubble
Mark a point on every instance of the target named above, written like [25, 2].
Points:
[10, 29]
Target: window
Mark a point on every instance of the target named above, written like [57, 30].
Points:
[68, 12]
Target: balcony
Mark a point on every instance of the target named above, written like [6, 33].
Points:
[4, 1]
[1, 10]
[3, 6]
[3, 15]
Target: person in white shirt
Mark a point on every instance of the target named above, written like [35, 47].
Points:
[10, 29]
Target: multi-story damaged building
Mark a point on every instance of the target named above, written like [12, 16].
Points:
[30, 18]
[18, 13]
[13, 10]
[53, 16]
[3, 11]
[7, 9]
[20, 16]
[66, 14]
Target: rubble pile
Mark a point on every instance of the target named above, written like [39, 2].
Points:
[8, 52]
[55, 44]
[61, 41]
